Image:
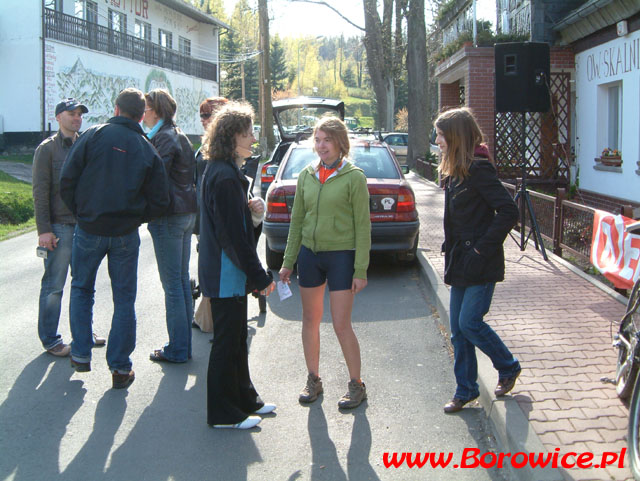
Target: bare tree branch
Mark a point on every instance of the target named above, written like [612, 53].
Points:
[320, 2]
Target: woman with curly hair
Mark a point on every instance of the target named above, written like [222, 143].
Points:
[478, 215]
[229, 268]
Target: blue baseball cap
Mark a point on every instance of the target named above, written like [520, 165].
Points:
[70, 104]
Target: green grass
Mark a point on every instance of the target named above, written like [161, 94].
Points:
[8, 231]
[21, 158]
[12, 186]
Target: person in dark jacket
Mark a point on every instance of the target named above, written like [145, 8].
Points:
[171, 234]
[229, 268]
[478, 215]
[112, 181]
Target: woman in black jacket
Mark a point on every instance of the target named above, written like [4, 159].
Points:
[478, 215]
[229, 268]
[172, 234]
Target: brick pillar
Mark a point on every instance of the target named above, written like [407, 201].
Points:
[449, 96]
[480, 92]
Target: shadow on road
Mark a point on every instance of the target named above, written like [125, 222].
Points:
[31, 430]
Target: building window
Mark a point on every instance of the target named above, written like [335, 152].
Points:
[142, 30]
[165, 39]
[53, 5]
[117, 21]
[614, 116]
[87, 10]
[184, 46]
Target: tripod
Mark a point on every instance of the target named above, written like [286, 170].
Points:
[523, 200]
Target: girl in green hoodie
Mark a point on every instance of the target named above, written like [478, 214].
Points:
[330, 237]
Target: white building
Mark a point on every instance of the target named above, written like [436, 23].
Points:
[606, 42]
[92, 49]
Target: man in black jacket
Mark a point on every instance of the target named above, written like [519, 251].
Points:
[113, 180]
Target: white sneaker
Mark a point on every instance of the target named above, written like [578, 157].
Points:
[266, 409]
[250, 422]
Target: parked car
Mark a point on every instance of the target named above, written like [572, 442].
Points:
[399, 142]
[394, 218]
[295, 119]
[433, 147]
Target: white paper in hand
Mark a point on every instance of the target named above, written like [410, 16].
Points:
[283, 290]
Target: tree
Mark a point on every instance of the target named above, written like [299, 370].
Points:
[380, 54]
[214, 8]
[278, 64]
[380, 59]
[417, 72]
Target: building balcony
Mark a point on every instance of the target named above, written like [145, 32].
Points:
[69, 29]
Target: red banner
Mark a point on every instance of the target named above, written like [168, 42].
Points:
[614, 252]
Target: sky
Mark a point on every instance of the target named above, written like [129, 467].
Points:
[293, 19]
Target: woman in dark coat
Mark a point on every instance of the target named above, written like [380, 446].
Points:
[229, 268]
[171, 234]
[478, 215]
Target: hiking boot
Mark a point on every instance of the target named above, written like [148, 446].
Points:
[355, 395]
[506, 384]
[60, 350]
[457, 404]
[312, 390]
[121, 381]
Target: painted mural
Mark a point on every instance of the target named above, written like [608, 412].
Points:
[99, 90]
[96, 90]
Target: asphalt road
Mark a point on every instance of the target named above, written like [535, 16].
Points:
[56, 424]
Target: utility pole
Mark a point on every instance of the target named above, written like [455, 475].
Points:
[266, 109]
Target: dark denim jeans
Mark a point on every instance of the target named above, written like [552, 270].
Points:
[172, 244]
[467, 308]
[122, 256]
[56, 266]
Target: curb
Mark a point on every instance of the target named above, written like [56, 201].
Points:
[509, 423]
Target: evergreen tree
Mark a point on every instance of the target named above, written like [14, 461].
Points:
[349, 78]
[278, 64]
[232, 85]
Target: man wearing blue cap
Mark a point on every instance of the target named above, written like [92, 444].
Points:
[55, 222]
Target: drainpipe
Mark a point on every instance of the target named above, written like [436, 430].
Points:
[475, 27]
[42, 94]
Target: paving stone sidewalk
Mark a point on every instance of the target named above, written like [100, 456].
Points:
[558, 325]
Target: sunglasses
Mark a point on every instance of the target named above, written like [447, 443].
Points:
[205, 116]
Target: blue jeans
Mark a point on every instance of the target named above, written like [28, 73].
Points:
[87, 255]
[56, 266]
[172, 243]
[467, 307]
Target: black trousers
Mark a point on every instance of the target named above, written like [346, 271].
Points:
[231, 396]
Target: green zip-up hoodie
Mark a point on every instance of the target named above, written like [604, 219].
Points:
[333, 216]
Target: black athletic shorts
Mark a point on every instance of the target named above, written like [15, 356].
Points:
[336, 267]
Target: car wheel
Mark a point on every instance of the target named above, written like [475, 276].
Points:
[274, 259]
[409, 258]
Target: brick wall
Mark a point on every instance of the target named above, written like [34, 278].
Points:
[603, 202]
[562, 58]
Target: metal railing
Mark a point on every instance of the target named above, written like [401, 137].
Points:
[76, 31]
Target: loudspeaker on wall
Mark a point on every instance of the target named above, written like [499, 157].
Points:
[522, 77]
